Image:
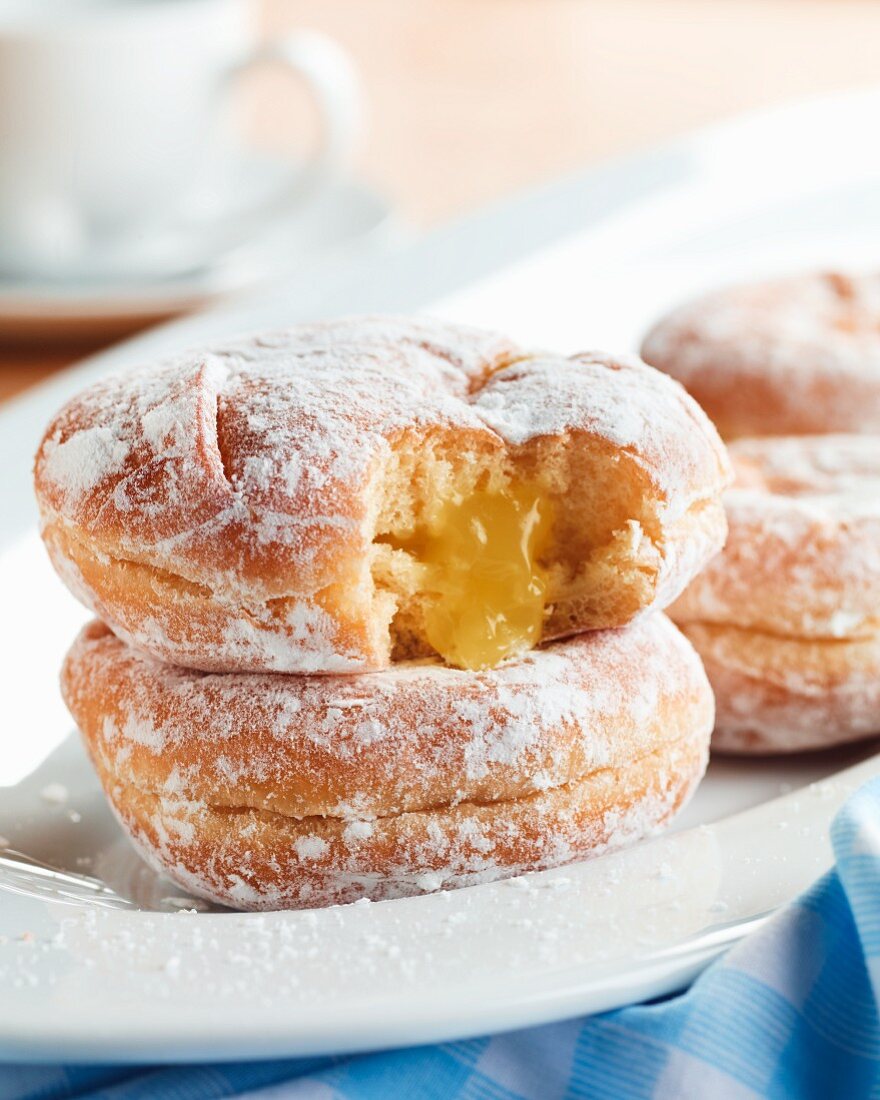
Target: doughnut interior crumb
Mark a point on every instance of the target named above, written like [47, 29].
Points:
[550, 532]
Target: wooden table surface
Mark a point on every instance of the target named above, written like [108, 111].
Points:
[472, 99]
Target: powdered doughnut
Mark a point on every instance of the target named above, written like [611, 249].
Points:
[779, 695]
[322, 500]
[802, 556]
[796, 356]
[268, 791]
[787, 617]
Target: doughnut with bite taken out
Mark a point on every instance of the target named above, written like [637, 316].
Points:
[339, 496]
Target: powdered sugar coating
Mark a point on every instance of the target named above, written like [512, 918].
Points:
[259, 863]
[619, 400]
[780, 695]
[803, 551]
[799, 355]
[247, 471]
[378, 780]
[408, 738]
[85, 459]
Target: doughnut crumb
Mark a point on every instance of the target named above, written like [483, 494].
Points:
[474, 551]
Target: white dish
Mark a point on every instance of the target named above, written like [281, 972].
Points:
[589, 260]
[343, 221]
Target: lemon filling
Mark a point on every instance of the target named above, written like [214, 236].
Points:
[478, 559]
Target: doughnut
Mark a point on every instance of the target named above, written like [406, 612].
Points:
[266, 791]
[340, 496]
[802, 557]
[790, 356]
[787, 617]
[781, 695]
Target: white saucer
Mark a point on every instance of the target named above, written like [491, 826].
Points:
[343, 221]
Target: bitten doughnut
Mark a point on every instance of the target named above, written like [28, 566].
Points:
[266, 791]
[346, 494]
[787, 617]
[798, 355]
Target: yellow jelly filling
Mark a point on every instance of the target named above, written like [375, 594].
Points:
[479, 571]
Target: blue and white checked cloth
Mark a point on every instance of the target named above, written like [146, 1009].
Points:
[791, 1012]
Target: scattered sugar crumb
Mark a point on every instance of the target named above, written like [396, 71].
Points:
[54, 793]
[429, 881]
[560, 883]
[187, 905]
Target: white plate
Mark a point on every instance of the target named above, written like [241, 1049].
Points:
[587, 261]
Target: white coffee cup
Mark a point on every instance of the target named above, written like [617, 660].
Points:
[110, 111]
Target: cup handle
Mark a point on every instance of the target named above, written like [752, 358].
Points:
[332, 79]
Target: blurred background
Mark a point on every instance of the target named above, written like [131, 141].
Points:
[447, 106]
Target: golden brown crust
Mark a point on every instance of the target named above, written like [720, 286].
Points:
[795, 356]
[787, 617]
[271, 791]
[782, 695]
[802, 557]
[220, 510]
[248, 859]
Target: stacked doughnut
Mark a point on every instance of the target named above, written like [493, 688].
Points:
[787, 618]
[379, 606]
